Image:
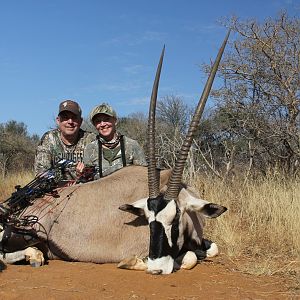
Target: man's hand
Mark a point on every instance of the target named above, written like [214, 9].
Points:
[84, 174]
[79, 168]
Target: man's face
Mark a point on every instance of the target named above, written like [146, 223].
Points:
[68, 123]
[106, 126]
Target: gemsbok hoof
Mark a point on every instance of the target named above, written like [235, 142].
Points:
[34, 256]
[154, 272]
[133, 263]
[189, 260]
[212, 251]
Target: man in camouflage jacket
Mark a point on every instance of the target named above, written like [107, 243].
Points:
[66, 142]
[110, 151]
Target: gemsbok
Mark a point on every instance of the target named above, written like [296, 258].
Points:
[87, 223]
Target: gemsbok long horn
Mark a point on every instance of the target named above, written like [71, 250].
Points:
[176, 176]
[153, 174]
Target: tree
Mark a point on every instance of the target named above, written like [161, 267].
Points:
[172, 111]
[17, 148]
[260, 99]
[135, 127]
[171, 124]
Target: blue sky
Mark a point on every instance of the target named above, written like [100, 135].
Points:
[107, 51]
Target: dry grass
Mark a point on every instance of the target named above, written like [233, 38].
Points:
[262, 223]
[7, 186]
[261, 226]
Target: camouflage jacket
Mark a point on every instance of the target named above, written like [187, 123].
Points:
[51, 149]
[112, 162]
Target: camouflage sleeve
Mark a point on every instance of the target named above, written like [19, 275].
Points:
[138, 155]
[90, 137]
[43, 156]
[90, 155]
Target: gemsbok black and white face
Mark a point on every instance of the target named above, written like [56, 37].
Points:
[170, 226]
[166, 213]
[166, 234]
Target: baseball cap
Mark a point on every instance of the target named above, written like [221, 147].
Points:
[70, 105]
[103, 108]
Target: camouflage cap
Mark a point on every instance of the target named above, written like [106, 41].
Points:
[103, 108]
[70, 105]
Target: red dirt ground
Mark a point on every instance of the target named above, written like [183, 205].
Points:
[73, 280]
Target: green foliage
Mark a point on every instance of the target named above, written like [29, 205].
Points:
[17, 147]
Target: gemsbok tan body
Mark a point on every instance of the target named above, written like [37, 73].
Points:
[84, 222]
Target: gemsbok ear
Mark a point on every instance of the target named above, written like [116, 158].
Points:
[137, 208]
[212, 210]
[207, 209]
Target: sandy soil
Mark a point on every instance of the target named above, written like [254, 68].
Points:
[72, 280]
